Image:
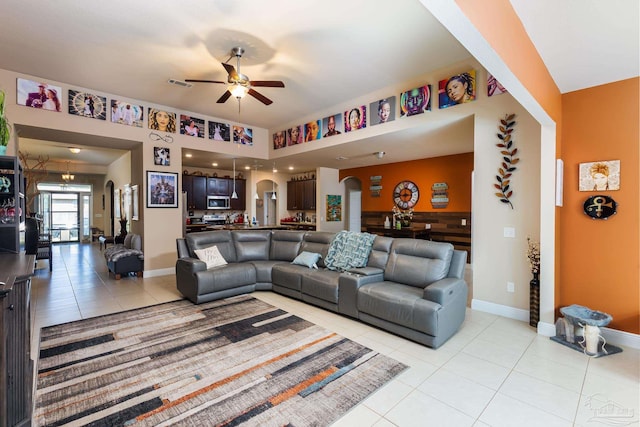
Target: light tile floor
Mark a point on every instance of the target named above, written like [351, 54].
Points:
[494, 372]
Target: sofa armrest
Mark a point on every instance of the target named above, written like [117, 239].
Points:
[445, 290]
[190, 265]
[348, 285]
[366, 271]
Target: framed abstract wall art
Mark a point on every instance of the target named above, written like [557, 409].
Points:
[383, 110]
[600, 176]
[355, 118]
[415, 101]
[334, 207]
[457, 89]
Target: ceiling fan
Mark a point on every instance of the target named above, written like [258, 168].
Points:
[239, 84]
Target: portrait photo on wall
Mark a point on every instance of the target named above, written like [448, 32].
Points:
[312, 131]
[331, 125]
[39, 95]
[415, 101]
[457, 89]
[161, 189]
[162, 120]
[383, 110]
[161, 156]
[87, 105]
[600, 176]
[295, 135]
[355, 118]
[219, 131]
[493, 86]
[125, 113]
[191, 126]
[242, 135]
[279, 139]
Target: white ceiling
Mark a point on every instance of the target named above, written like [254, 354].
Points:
[326, 52]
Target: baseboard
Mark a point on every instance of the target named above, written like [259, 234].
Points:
[500, 310]
[613, 336]
[159, 272]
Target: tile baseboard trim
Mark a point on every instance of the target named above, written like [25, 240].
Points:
[159, 272]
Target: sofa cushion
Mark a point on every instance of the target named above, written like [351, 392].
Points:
[220, 238]
[318, 242]
[399, 304]
[322, 284]
[211, 256]
[225, 277]
[418, 262]
[252, 244]
[285, 245]
[308, 259]
[288, 275]
[380, 252]
[349, 250]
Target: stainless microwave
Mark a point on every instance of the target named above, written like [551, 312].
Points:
[218, 202]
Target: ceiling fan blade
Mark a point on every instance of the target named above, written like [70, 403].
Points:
[231, 71]
[260, 97]
[267, 83]
[224, 97]
[203, 81]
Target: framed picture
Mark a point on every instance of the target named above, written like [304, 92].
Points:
[219, 131]
[161, 156]
[39, 95]
[191, 126]
[493, 86]
[135, 198]
[242, 135]
[162, 189]
[312, 131]
[162, 120]
[87, 105]
[383, 110]
[125, 113]
[355, 118]
[415, 101]
[117, 204]
[279, 139]
[457, 89]
[295, 135]
[334, 207]
[331, 124]
[126, 201]
[600, 176]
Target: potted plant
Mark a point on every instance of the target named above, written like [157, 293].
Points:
[5, 128]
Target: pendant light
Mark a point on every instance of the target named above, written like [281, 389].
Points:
[273, 181]
[234, 195]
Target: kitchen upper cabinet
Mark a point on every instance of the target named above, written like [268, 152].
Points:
[240, 203]
[301, 195]
[196, 188]
[218, 187]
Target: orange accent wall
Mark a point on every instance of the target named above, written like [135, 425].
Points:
[500, 26]
[600, 260]
[454, 170]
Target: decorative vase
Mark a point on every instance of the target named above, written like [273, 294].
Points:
[534, 300]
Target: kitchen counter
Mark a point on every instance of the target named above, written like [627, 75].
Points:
[245, 227]
[298, 225]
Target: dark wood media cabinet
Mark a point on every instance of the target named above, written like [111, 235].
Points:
[16, 364]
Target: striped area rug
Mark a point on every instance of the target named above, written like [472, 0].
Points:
[233, 362]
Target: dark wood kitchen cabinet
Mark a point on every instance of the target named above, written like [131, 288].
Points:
[301, 195]
[196, 188]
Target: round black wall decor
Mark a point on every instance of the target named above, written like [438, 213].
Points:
[600, 206]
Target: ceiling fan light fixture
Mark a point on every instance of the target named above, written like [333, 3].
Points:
[238, 91]
[74, 150]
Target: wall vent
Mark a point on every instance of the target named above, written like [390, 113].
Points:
[179, 83]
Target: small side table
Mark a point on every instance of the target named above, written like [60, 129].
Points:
[104, 240]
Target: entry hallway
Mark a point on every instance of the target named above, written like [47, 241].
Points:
[494, 372]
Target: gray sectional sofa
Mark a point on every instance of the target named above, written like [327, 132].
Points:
[412, 288]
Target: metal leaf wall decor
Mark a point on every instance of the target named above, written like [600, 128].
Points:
[508, 152]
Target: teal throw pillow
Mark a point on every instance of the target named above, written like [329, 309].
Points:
[308, 259]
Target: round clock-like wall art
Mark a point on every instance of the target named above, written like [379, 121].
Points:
[600, 207]
[406, 195]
